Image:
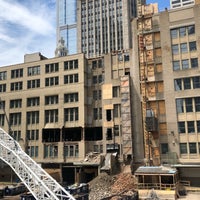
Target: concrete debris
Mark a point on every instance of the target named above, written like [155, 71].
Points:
[105, 186]
[92, 157]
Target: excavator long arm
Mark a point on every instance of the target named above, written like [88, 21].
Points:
[37, 180]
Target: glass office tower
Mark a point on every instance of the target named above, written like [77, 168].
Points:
[96, 27]
[67, 24]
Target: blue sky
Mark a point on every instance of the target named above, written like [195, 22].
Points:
[29, 26]
[161, 3]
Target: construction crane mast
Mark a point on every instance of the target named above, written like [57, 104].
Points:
[37, 180]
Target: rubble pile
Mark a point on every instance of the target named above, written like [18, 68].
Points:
[100, 187]
[123, 181]
[105, 185]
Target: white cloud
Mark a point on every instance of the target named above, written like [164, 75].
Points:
[26, 27]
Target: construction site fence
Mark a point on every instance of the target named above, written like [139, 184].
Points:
[156, 186]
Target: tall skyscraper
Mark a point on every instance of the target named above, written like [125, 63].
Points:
[67, 24]
[96, 27]
[104, 26]
[181, 3]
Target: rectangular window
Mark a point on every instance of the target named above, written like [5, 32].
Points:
[196, 82]
[116, 91]
[51, 151]
[2, 119]
[33, 151]
[2, 88]
[190, 126]
[52, 81]
[32, 117]
[71, 97]
[191, 29]
[178, 84]
[194, 62]
[17, 103]
[16, 73]
[116, 130]
[71, 150]
[174, 33]
[33, 101]
[197, 104]
[97, 95]
[32, 134]
[100, 79]
[185, 64]
[117, 110]
[15, 119]
[72, 78]
[175, 49]
[95, 113]
[193, 148]
[192, 46]
[198, 126]
[94, 80]
[35, 70]
[188, 105]
[50, 68]
[71, 114]
[2, 104]
[51, 116]
[16, 86]
[183, 148]
[182, 32]
[187, 83]
[72, 64]
[181, 127]
[176, 65]
[164, 148]
[179, 106]
[183, 47]
[16, 135]
[3, 76]
[33, 83]
[50, 100]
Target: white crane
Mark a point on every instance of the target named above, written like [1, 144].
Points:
[37, 180]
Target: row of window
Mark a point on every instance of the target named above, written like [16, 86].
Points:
[51, 81]
[182, 31]
[185, 64]
[184, 47]
[35, 70]
[187, 83]
[51, 151]
[35, 101]
[185, 148]
[188, 127]
[191, 148]
[185, 105]
[51, 116]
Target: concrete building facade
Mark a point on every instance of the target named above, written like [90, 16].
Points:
[169, 77]
[69, 113]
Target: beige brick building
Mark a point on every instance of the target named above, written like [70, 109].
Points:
[64, 108]
[169, 77]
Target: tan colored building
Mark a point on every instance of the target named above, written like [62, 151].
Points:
[67, 110]
[168, 46]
